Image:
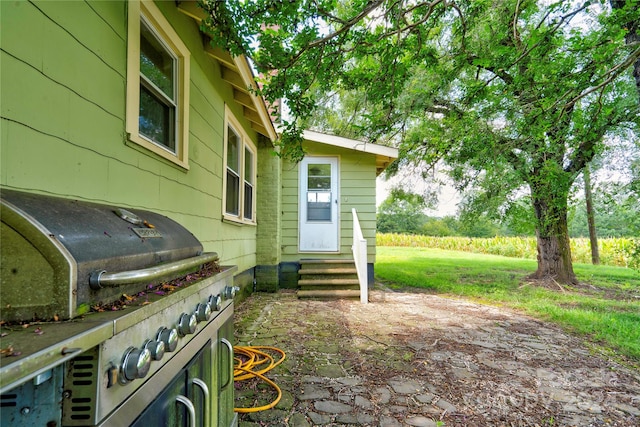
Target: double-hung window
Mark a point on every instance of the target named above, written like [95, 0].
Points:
[240, 174]
[157, 84]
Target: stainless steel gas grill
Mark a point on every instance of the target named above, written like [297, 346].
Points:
[110, 317]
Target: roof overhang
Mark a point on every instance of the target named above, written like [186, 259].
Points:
[384, 155]
[238, 73]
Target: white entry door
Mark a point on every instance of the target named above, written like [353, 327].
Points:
[319, 204]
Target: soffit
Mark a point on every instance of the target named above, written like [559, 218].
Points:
[238, 73]
[384, 155]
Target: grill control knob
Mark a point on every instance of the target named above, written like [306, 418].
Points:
[169, 337]
[215, 302]
[156, 348]
[187, 324]
[230, 291]
[135, 364]
[203, 312]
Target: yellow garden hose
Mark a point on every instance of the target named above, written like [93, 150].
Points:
[253, 361]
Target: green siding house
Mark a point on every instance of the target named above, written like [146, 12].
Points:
[126, 103]
[332, 188]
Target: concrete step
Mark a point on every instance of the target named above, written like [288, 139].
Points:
[328, 278]
[328, 282]
[311, 285]
[330, 294]
[329, 270]
[325, 261]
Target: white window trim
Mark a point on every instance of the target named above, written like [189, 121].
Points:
[164, 30]
[230, 120]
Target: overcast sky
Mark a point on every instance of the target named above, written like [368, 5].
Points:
[447, 200]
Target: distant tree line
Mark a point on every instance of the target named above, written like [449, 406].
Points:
[617, 215]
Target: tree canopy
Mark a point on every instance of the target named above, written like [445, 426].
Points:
[513, 95]
[401, 212]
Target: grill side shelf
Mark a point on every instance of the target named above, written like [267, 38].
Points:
[72, 338]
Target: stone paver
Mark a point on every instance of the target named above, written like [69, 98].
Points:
[313, 392]
[332, 407]
[421, 422]
[425, 361]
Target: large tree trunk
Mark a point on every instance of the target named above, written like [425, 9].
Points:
[554, 249]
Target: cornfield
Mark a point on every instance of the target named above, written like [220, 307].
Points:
[621, 252]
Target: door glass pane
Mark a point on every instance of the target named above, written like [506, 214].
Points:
[318, 206]
[319, 169]
[319, 177]
[319, 197]
[319, 183]
[318, 192]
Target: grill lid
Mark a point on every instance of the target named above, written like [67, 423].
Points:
[51, 247]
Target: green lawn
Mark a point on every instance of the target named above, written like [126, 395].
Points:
[605, 307]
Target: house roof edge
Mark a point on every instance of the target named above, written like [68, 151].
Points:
[351, 144]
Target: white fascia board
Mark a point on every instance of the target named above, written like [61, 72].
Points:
[245, 71]
[351, 144]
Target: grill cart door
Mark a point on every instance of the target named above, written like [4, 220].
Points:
[187, 400]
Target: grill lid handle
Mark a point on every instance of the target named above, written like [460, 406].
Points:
[100, 279]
